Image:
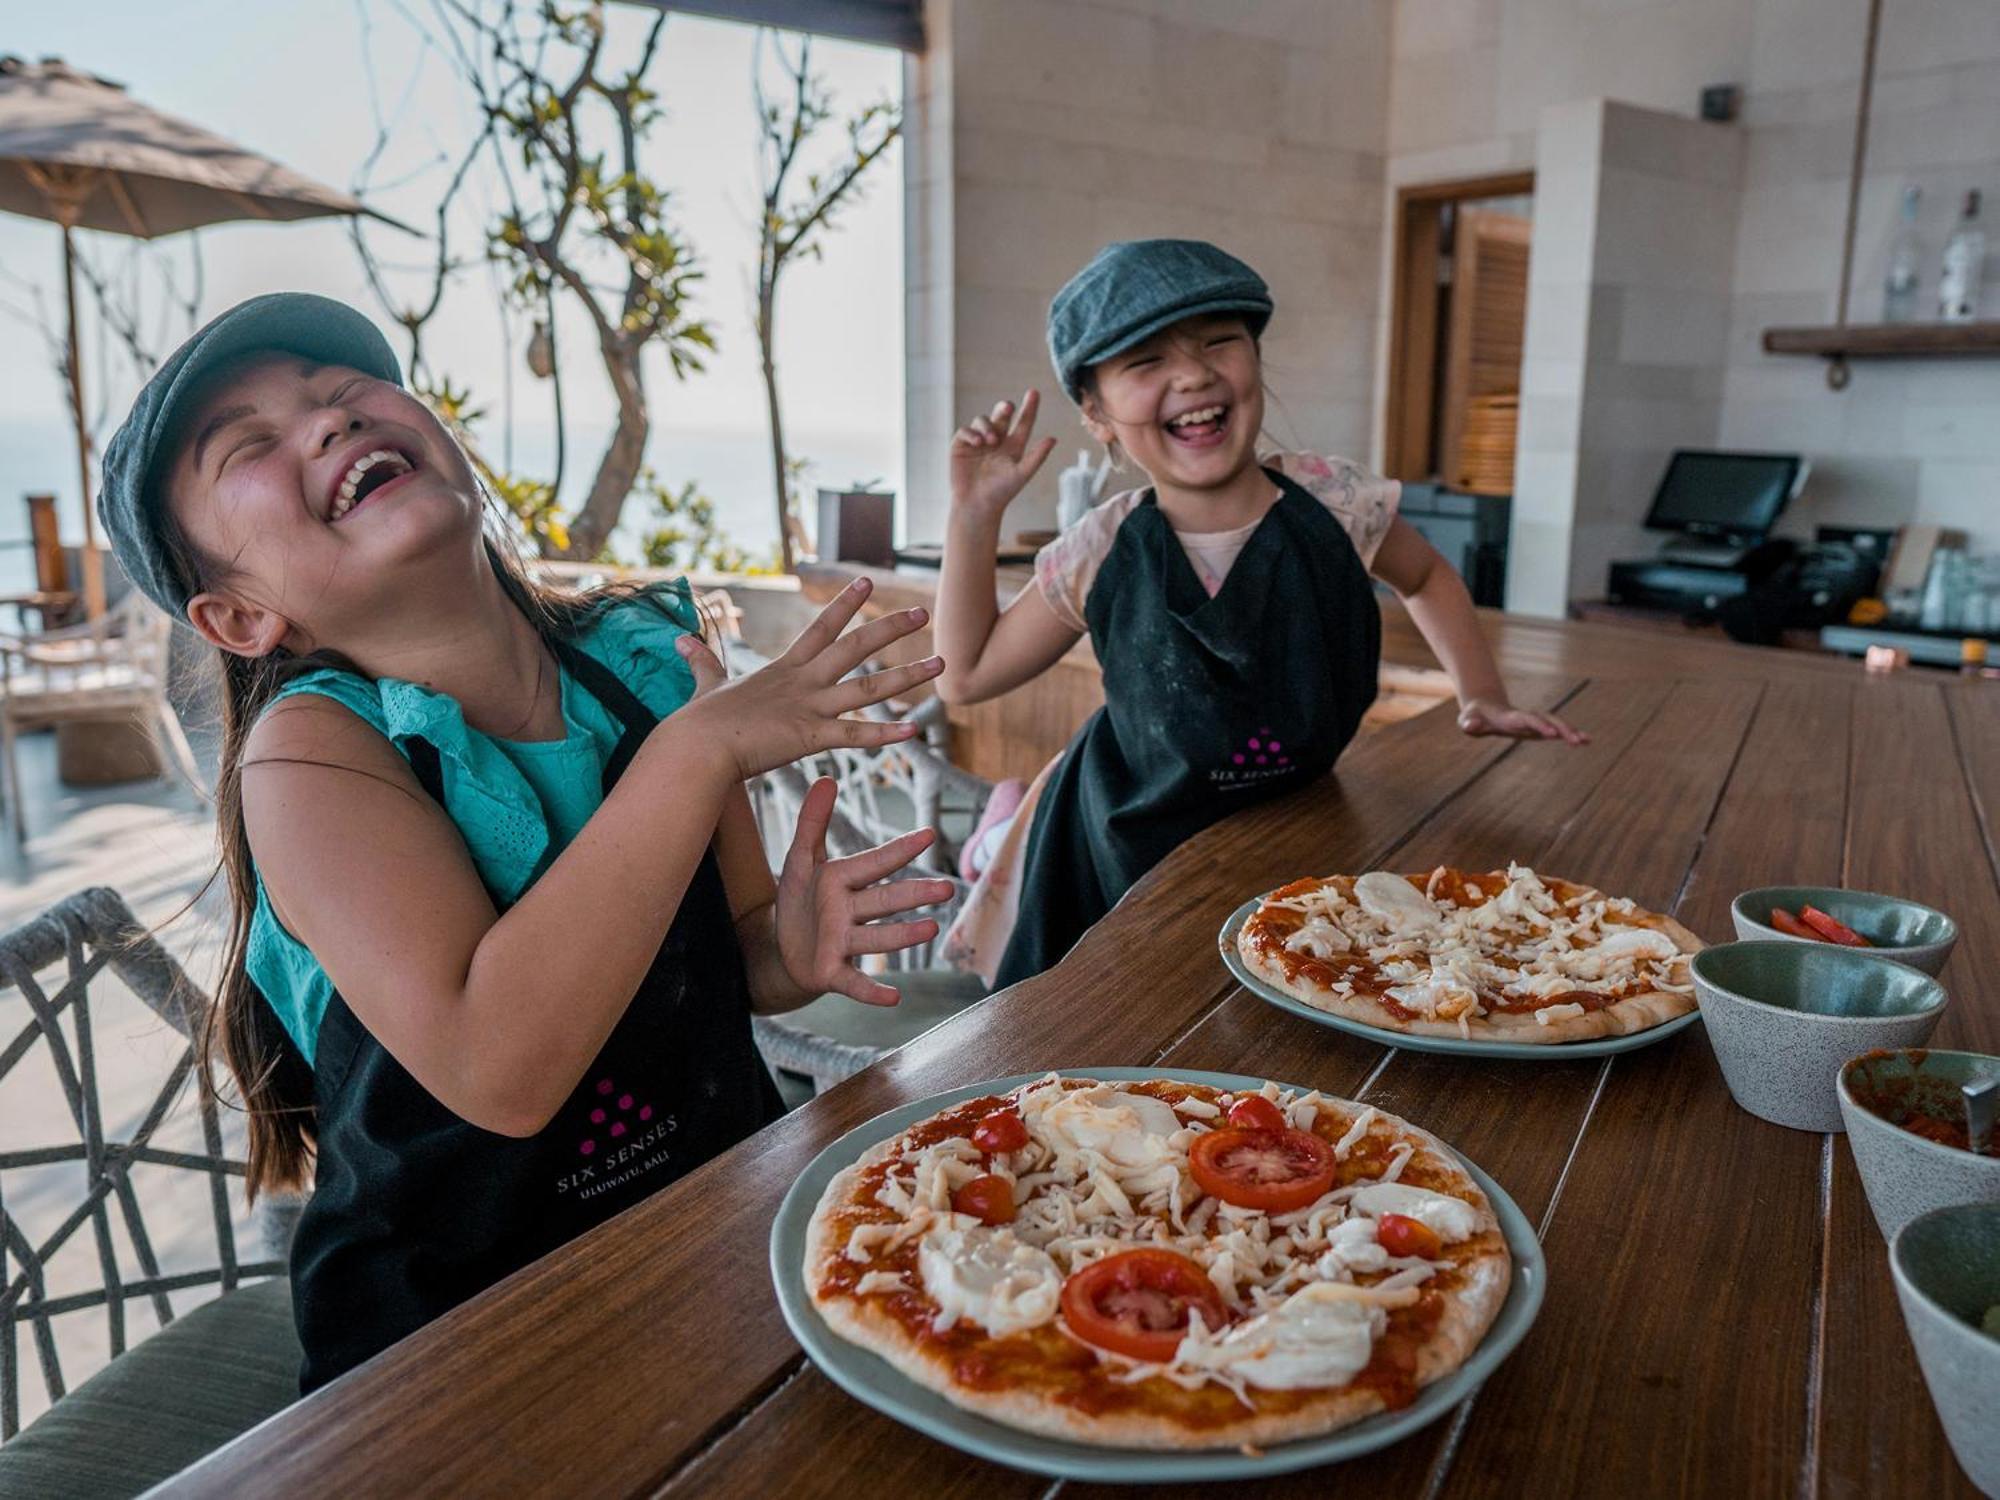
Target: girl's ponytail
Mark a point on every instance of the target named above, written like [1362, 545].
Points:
[272, 1076]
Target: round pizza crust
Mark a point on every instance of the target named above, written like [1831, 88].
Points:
[1632, 1013]
[1482, 1269]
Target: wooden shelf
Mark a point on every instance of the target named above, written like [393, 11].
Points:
[1886, 340]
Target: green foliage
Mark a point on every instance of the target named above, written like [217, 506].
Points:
[685, 535]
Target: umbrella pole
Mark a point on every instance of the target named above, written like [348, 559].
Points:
[93, 563]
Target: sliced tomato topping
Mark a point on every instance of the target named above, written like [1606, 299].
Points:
[1832, 928]
[1255, 1112]
[1791, 926]
[1139, 1303]
[1003, 1130]
[1400, 1234]
[1273, 1170]
[989, 1199]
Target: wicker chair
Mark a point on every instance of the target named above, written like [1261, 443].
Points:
[833, 1037]
[207, 1375]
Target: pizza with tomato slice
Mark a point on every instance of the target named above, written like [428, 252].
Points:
[1161, 1264]
[1505, 955]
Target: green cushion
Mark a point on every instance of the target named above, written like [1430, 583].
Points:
[206, 1377]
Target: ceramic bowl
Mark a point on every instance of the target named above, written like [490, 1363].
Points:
[1947, 1269]
[1783, 1017]
[1903, 930]
[1904, 1173]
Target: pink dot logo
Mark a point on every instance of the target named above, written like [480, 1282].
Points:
[607, 1129]
[1237, 757]
[1254, 744]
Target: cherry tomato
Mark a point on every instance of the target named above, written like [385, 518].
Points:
[1400, 1234]
[1791, 926]
[1273, 1170]
[1255, 1112]
[1139, 1303]
[1003, 1130]
[989, 1199]
[1832, 928]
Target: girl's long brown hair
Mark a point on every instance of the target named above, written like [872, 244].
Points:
[272, 1075]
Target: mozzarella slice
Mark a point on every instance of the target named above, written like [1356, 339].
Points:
[989, 1277]
[1449, 1218]
[1395, 903]
[1353, 1247]
[1315, 1337]
[1133, 1132]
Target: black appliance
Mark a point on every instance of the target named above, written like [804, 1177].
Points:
[1718, 509]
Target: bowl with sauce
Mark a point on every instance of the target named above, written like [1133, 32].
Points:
[1905, 1119]
[1907, 931]
[1783, 1017]
[1946, 1266]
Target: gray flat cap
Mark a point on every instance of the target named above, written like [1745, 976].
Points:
[1131, 290]
[315, 328]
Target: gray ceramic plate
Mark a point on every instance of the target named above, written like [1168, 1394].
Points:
[1603, 1046]
[871, 1379]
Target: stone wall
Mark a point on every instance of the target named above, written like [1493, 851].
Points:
[1044, 129]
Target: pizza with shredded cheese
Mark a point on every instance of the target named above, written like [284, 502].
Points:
[1161, 1264]
[1503, 956]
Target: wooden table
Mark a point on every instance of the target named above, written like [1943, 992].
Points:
[1720, 1320]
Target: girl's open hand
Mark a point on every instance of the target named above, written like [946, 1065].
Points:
[991, 461]
[1497, 716]
[796, 706]
[829, 909]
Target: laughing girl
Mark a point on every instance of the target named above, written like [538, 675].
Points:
[1229, 602]
[500, 911]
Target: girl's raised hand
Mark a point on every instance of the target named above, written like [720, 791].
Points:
[797, 705]
[1490, 716]
[991, 461]
[829, 910]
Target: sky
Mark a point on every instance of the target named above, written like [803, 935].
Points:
[294, 80]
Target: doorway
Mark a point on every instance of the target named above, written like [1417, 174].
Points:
[1458, 317]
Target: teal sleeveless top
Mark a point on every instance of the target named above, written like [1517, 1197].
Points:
[516, 803]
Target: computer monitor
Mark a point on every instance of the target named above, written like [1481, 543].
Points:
[1732, 496]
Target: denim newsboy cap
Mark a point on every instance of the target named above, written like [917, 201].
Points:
[128, 502]
[1131, 290]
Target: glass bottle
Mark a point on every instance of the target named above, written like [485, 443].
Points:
[1964, 266]
[1906, 259]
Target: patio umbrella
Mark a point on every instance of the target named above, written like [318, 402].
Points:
[80, 151]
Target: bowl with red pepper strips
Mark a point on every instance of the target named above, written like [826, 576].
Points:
[1907, 931]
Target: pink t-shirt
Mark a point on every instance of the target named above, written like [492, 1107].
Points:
[1363, 503]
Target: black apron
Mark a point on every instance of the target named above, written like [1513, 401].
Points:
[1210, 705]
[414, 1210]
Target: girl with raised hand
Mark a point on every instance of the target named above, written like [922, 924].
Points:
[500, 911]
[1229, 601]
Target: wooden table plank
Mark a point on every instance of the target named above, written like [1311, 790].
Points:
[515, 1382]
[1975, 721]
[1914, 830]
[1633, 1381]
